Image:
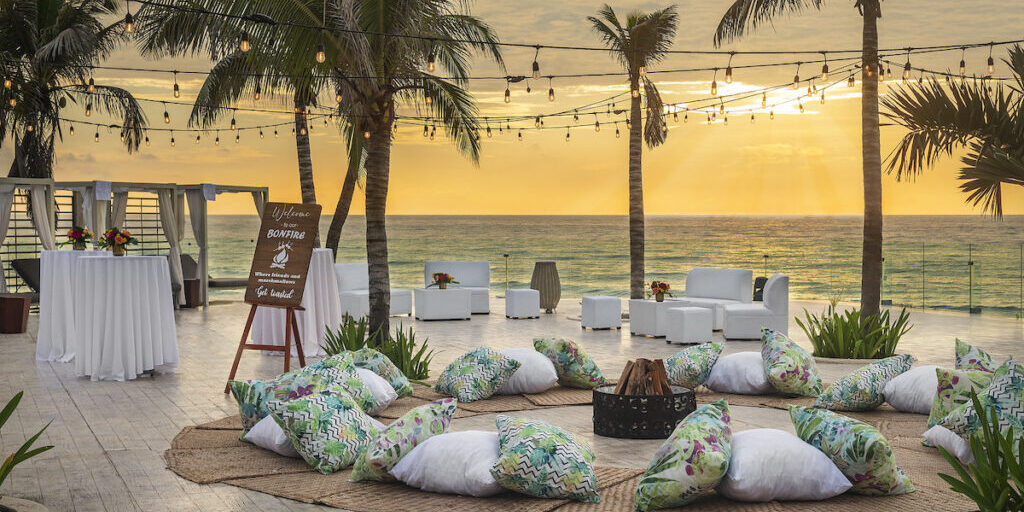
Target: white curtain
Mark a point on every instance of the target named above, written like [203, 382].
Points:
[83, 206]
[41, 216]
[6, 201]
[179, 214]
[260, 198]
[119, 209]
[196, 214]
[169, 222]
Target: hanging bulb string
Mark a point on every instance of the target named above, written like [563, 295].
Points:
[187, 129]
[958, 76]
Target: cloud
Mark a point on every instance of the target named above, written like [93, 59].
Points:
[78, 158]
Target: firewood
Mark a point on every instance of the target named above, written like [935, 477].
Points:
[620, 388]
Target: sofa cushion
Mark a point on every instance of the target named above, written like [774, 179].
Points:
[476, 375]
[469, 274]
[545, 461]
[864, 388]
[574, 367]
[329, 431]
[398, 439]
[720, 283]
[789, 367]
[691, 366]
[352, 276]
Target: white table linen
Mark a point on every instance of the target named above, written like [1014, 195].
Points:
[57, 282]
[124, 317]
[322, 309]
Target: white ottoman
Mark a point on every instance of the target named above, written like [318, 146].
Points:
[436, 304]
[522, 303]
[601, 312]
[688, 325]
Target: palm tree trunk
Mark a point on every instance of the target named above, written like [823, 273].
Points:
[305, 158]
[871, 259]
[636, 197]
[341, 210]
[378, 163]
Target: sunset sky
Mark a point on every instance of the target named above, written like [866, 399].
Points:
[795, 164]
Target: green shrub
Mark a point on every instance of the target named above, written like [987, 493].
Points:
[401, 347]
[852, 336]
[24, 452]
[995, 481]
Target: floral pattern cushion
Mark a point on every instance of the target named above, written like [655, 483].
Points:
[790, 369]
[476, 375]
[545, 461]
[341, 377]
[969, 357]
[330, 431]
[378, 363]
[691, 462]
[400, 437]
[857, 449]
[252, 395]
[863, 390]
[1005, 394]
[575, 368]
[954, 390]
[691, 366]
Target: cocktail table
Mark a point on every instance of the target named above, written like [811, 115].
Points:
[437, 304]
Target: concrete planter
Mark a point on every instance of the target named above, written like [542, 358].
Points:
[8, 503]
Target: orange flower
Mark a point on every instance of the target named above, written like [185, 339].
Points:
[119, 240]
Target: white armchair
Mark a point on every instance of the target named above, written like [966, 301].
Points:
[715, 288]
[354, 291]
[472, 275]
[745, 321]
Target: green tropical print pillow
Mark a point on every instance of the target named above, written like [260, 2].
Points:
[954, 390]
[400, 437]
[863, 390]
[969, 357]
[476, 375]
[252, 395]
[691, 366]
[859, 450]
[1005, 395]
[378, 363]
[545, 461]
[691, 462]
[574, 367]
[340, 375]
[329, 431]
[789, 367]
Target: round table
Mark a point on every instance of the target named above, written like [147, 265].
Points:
[321, 304]
[57, 284]
[124, 317]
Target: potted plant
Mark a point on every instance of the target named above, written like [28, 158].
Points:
[441, 280]
[78, 237]
[25, 452]
[659, 289]
[117, 240]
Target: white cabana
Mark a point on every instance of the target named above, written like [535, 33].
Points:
[40, 192]
[197, 196]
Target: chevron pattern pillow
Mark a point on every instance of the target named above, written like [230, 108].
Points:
[476, 375]
[691, 462]
[341, 377]
[545, 461]
[954, 390]
[691, 366]
[864, 389]
[789, 368]
[378, 363]
[859, 450]
[399, 438]
[252, 395]
[329, 431]
[574, 367]
[1005, 394]
[969, 357]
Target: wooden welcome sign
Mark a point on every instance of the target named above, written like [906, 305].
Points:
[278, 274]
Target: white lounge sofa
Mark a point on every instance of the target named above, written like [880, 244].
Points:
[354, 291]
[715, 288]
[745, 321]
[473, 275]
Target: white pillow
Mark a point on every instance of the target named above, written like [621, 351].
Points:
[267, 434]
[536, 372]
[914, 390]
[954, 444]
[452, 463]
[383, 393]
[769, 464]
[741, 373]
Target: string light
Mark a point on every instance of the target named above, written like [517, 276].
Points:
[888, 72]
[177, 90]
[7, 83]
[764, 99]
[129, 20]
[536, 122]
[751, 118]
[824, 67]
[172, 138]
[88, 108]
[243, 42]
[426, 131]
[337, 96]
[796, 77]
[823, 96]
[71, 130]
[617, 134]
[426, 97]
[714, 83]
[867, 70]
[92, 85]
[991, 61]
[430, 58]
[686, 117]
[261, 133]
[850, 81]
[13, 102]
[508, 93]
[801, 103]
[147, 139]
[597, 124]
[963, 61]
[167, 117]
[567, 134]
[489, 133]
[216, 140]
[233, 124]
[528, 90]
[275, 133]
[197, 138]
[551, 90]
[771, 115]
[256, 93]
[237, 137]
[536, 67]
[728, 70]
[96, 136]
[321, 55]
[520, 135]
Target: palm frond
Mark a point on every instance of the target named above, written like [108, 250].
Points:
[747, 15]
[985, 171]
[654, 130]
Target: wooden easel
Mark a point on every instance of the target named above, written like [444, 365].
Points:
[289, 321]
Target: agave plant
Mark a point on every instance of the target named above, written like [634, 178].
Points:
[24, 452]
[401, 348]
[853, 335]
[350, 335]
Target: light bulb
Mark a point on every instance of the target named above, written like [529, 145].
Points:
[771, 115]
[427, 98]
[302, 131]
[850, 81]
[129, 23]
[177, 90]
[489, 134]
[597, 126]
[321, 56]
[256, 93]
[197, 139]
[172, 141]
[725, 120]
[991, 65]
[233, 125]
[433, 130]
[71, 130]
[567, 135]
[167, 118]
[751, 118]
[823, 96]
[675, 117]
[366, 134]
[536, 122]
[643, 71]
[337, 96]
[430, 62]
[8, 83]
[796, 81]
[906, 71]
[728, 75]
[147, 139]
[801, 107]
[92, 85]
[508, 95]
[888, 72]
[13, 102]
[426, 131]
[867, 71]
[261, 133]
[536, 70]
[824, 71]
[88, 108]
[686, 117]
[520, 135]
[721, 108]
[237, 137]
[714, 88]
[29, 128]
[764, 99]
[96, 136]
[617, 134]
[216, 141]
[551, 94]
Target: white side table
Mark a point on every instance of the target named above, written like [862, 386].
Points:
[522, 303]
[437, 304]
[688, 325]
[601, 312]
[647, 316]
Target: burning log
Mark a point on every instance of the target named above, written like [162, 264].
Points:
[644, 377]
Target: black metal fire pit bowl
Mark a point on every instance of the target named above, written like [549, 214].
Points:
[640, 416]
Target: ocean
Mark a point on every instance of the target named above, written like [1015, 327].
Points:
[927, 258]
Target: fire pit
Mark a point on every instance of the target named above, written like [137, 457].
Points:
[640, 416]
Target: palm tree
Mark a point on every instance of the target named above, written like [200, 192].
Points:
[47, 48]
[253, 58]
[380, 71]
[746, 15]
[354, 171]
[643, 39]
[969, 114]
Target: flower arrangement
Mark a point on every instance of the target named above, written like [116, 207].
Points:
[659, 289]
[78, 237]
[116, 239]
[442, 280]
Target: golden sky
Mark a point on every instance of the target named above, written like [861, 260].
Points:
[805, 163]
